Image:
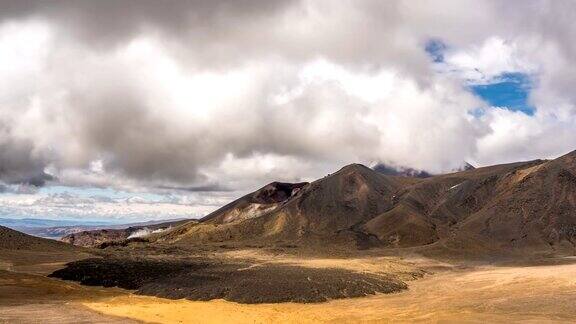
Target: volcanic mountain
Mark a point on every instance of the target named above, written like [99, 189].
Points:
[334, 206]
[520, 206]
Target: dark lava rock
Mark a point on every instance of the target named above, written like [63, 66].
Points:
[244, 283]
[123, 273]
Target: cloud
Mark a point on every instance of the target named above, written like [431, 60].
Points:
[134, 208]
[486, 63]
[18, 162]
[207, 96]
[109, 23]
[18, 188]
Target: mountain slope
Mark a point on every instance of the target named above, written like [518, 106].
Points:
[524, 206]
[432, 209]
[13, 240]
[329, 207]
[256, 203]
[535, 209]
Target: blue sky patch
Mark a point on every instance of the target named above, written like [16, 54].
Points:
[509, 91]
[435, 49]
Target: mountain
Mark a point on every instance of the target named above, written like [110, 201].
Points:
[434, 209]
[255, 204]
[333, 206]
[528, 206]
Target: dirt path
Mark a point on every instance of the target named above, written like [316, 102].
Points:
[495, 294]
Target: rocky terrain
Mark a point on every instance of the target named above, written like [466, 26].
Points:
[204, 279]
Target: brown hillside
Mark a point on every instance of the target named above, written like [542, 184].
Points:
[528, 206]
[535, 208]
[430, 210]
[330, 207]
[14, 240]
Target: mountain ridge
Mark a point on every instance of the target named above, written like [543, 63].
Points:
[474, 209]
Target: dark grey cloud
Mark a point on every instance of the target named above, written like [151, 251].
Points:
[111, 21]
[18, 163]
[222, 33]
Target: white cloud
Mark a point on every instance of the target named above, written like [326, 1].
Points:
[132, 209]
[485, 63]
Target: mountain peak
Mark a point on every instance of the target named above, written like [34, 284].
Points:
[355, 167]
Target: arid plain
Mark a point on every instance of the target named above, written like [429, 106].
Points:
[447, 292]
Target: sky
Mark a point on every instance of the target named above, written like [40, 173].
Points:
[146, 109]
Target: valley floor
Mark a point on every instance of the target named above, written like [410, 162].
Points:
[535, 294]
[516, 293]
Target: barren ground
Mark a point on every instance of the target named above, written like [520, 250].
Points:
[448, 293]
[535, 294]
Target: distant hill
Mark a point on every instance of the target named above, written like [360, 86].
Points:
[119, 233]
[37, 222]
[13, 240]
[55, 229]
